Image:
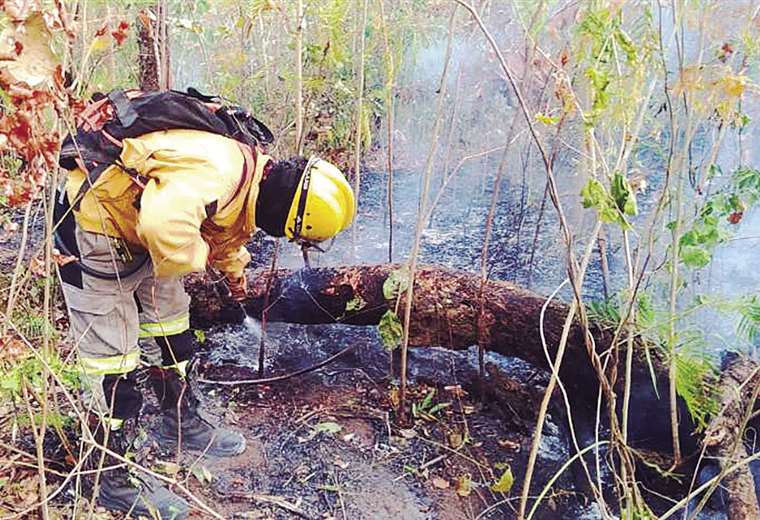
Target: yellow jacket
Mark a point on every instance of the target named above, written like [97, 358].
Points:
[187, 173]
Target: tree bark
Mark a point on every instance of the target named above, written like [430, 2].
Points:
[444, 311]
[724, 438]
[153, 48]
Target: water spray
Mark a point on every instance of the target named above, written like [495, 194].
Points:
[252, 325]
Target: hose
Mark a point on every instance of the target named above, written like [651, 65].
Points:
[275, 379]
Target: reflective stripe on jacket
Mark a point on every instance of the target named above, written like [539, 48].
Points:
[188, 174]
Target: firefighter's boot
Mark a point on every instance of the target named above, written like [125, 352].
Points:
[181, 423]
[133, 491]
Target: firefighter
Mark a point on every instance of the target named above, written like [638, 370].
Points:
[198, 199]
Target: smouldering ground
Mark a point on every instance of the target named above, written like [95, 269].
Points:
[328, 445]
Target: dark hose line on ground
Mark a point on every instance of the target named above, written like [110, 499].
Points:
[275, 379]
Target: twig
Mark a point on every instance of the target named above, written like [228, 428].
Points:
[421, 219]
[274, 379]
[359, 115]
[265, 311]
[389, 108]
[19, 263]
[299, 77]
[269, 499]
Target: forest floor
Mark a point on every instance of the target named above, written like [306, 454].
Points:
[327, 445]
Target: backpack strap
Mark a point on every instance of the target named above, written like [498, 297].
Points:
[92, 177]
[211, 209]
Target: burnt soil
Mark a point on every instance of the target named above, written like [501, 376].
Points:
[329, 445]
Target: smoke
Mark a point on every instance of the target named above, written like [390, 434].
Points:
[479, 109]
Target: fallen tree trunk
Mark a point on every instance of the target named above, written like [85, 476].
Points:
[444, 311]
[724, 438]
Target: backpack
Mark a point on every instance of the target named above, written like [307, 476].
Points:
[123, 114]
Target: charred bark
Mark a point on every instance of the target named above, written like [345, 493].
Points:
[724, 438]
[444, 311]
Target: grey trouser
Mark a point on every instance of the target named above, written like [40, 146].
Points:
[107, 316]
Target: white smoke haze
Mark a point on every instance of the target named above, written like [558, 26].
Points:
[478, 112]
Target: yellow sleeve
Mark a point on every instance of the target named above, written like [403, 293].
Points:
[232, 262]
[169, 225]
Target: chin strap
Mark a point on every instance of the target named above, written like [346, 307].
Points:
[305, 184]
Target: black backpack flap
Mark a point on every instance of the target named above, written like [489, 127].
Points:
[157, 111]
[91, 147]
[206, 98]
[241, 125]
[169, 110]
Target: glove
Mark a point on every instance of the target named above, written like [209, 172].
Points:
[238, 288]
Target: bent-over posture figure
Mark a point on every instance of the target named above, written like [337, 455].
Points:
[177, 201]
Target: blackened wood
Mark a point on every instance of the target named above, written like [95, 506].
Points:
[724, 438]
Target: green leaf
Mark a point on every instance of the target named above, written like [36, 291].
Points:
[200, 335]
[696, 377]
[505, 482]
[594, 195]
[356, 303]
[391, 330]
[646, 315]
[547, 120]
[202, 473]
[167, 467]
[428, 400]
[438, 407]
[11, 383]
[623, 194]
[328, 427]
[696, 257]
[397, 283]
[690, 238]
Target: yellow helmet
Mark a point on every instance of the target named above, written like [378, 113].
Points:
[323, 204]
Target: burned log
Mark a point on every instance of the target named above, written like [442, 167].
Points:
[444, 312]
[724, 439]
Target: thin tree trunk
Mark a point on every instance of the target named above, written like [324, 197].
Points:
[153, 49]
[299, 77]
[358, 135]
[165, 76]
[602, 243]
